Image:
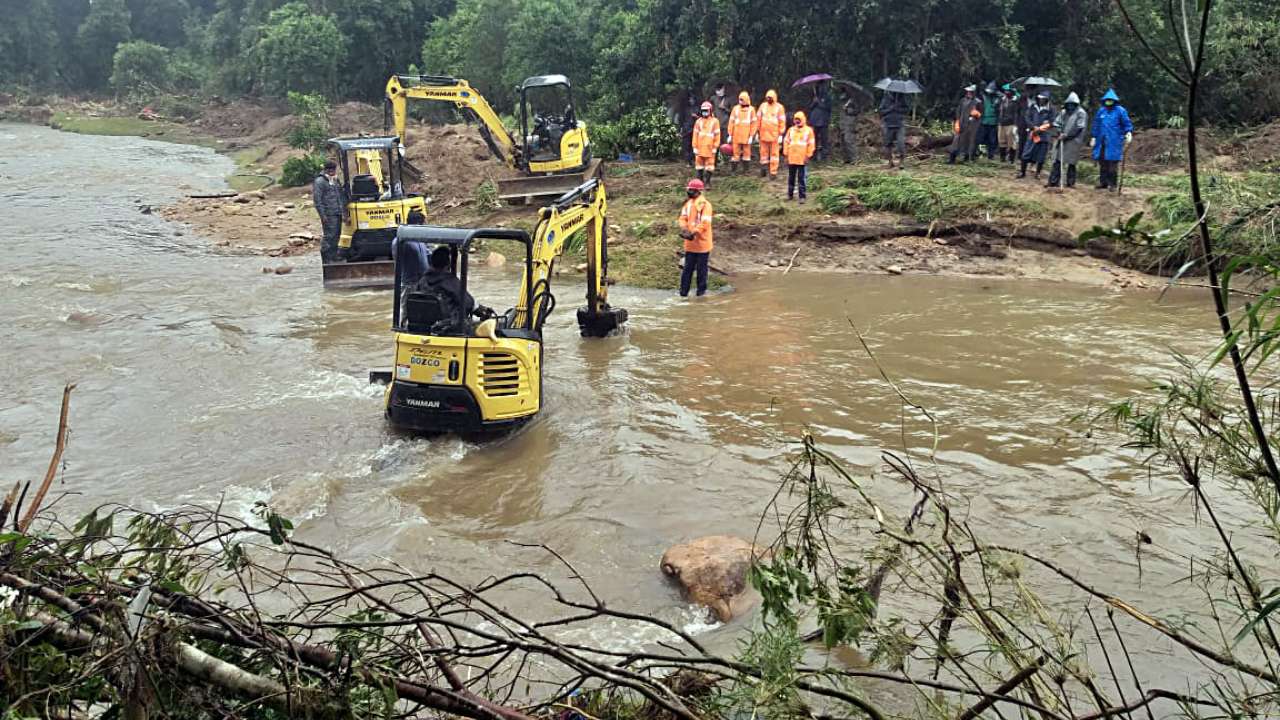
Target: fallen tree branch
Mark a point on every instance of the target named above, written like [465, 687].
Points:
[52, 472]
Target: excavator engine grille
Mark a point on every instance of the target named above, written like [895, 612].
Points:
[501, 375]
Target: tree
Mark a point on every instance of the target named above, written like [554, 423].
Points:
[105, 27]
[141, 67]
[299, 50]
[472, 44]
[383, 38]
[25, 39]
[160, 21]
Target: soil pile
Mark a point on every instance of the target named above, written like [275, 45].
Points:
[454, 161]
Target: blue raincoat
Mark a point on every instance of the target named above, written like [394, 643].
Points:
[1110, 125]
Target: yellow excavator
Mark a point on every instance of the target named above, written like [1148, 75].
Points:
[554, 153]
[461, 367]
[372, 179]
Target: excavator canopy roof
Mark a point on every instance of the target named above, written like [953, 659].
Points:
[544, 81]
[364, 143]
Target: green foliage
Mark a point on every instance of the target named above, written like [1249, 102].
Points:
[105, 27]
[924, 198]
[299, 50]
[647, 133]
[311, 129]
[486, 196]
[298, 171]
[140, 68]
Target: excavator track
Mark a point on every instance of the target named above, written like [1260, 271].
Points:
[524, 190]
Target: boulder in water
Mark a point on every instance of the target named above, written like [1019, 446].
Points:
[713, 572]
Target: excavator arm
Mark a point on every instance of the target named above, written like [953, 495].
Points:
[402, 88]
[581, 210]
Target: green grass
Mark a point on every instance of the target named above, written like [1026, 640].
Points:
[924, 198]
[129, 126]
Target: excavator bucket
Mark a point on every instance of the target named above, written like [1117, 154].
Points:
[603, 323]
[525, 190]
[355, 275]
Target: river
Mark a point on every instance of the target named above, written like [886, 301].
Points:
[200, 379]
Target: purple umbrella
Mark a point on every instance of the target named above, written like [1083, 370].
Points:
[819, 77]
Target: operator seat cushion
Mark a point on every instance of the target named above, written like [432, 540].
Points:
[364, 187]
[429, 313]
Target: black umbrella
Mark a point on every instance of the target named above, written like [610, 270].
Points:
[908, 87]
[853, 86]
[1037, 81]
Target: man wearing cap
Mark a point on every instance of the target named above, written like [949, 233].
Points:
[968, 113]
[328, 197]
[1112, 133]
[695, 230]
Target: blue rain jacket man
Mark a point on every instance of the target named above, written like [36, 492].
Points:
[1112, 131]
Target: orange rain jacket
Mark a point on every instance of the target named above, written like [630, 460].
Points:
[742, 121]
[773, 118]
[695, 217]
[797, 146]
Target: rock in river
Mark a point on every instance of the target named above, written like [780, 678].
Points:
[713, 572]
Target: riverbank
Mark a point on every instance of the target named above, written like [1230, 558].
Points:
[932, 218]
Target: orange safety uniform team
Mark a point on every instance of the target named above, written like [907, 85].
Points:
[767, 125]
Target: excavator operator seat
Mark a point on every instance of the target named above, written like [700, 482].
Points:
[364, 188]
[430, 313]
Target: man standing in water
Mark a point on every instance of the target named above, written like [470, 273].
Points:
[327, 196]
[695, 229]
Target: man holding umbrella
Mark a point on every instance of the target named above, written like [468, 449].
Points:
[893, 115]
[820, 118]
[1112, 133]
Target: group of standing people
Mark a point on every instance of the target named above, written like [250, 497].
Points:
[1031, 130]
[744, 125]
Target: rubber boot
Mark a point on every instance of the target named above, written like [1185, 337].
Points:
[764, 170]
[951, 158]
[706, 182]
[1023, 172]
[1071, 176]
[1004, 154]
[702, 175]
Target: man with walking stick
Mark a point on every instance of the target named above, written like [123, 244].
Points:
[1112, 133]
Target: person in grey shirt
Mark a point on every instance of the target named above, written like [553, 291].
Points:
[328, 197]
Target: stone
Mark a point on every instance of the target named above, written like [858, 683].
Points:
[284, 269]
[940, 241]
[302, 235]
[241, 199]
[298, 242]
[289, 206]
[267, 270]
[580, 267]
[893, 270]
[495, 259]
[712, 571]
[282, 210]
[258, 195]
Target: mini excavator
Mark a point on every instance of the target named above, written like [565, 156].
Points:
[484, 373]
[372, 181]
[555, 152]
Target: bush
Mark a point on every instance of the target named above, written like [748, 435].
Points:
[299, 50]
[141, 68]
[926, 199]
[647, 133]
[299, 171]
[312, 113]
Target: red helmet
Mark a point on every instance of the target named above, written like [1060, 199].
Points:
[695, 184]
[707, 106]
[726, 149]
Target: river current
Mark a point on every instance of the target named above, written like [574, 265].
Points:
[200, 379]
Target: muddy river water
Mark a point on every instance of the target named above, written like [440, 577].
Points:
[201, 379]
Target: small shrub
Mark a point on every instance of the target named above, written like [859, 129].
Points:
[647, 133]
[299, 171]
[486, 196]
[140, 68]
[836, 201]
[312, 129]
[932, 198]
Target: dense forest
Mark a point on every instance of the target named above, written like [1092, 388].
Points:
[626, 54]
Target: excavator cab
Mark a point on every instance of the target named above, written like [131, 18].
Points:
[483, 373]
[372, 180]
[555, 141]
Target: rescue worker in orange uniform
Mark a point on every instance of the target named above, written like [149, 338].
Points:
[797, 145]
[695, 228]
[706, 141]
[773, 124]
[743, 125]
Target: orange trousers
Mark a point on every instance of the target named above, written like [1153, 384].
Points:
[742, 151]
[770, 155]
[705, 162]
